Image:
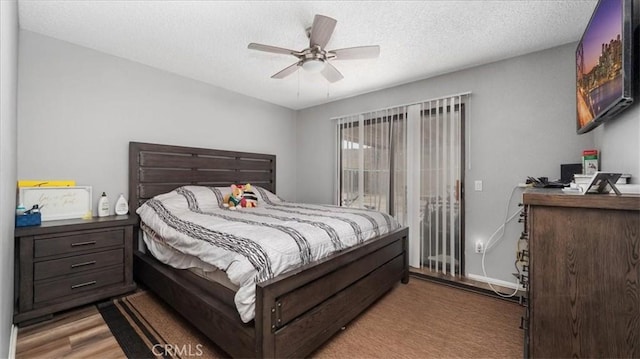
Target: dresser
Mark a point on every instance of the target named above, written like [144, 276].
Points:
[584, 292]
[67, 263]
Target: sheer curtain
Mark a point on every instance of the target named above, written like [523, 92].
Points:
[365, 155]
[409, 161]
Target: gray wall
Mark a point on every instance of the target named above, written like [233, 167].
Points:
[78, 109]
[522, 124]
[619, 143]
[8, 118]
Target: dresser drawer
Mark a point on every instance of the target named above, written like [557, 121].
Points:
[80, 241]
[55, 289]
[77, 264]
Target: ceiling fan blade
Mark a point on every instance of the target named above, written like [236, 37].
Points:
[268, 48]
[286, 71]
[355, 53]
[321, 30]
[331, 73]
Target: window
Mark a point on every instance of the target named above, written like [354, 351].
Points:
[364, 158]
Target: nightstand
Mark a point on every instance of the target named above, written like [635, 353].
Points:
[67, 263]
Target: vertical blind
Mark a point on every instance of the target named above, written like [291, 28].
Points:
[442, 173]
[408, 161]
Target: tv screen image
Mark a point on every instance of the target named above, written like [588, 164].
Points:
[604, 65]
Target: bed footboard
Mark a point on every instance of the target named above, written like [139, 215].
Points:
[298, 311]
[202, 304]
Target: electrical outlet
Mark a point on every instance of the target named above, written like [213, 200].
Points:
[478, 185]
[479, 246]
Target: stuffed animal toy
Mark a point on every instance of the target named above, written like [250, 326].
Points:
[249, 198]
[232, 200]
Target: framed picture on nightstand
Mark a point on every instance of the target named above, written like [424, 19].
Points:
[58, 202]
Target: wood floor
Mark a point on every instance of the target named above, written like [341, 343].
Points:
[79, 333]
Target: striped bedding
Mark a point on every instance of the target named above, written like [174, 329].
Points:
[255, 244]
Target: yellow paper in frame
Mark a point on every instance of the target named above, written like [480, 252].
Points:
[46, 183]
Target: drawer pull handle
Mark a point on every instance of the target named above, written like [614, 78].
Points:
[82, 264]
[83, 284]
[82, 243]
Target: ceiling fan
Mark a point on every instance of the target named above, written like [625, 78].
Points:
[315, 57]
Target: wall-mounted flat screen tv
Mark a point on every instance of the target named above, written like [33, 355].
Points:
[604, 64]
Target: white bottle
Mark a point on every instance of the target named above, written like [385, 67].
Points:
[121, 205]
[103, 205]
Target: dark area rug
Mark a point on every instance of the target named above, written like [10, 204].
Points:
[145, 327]
[132, 345]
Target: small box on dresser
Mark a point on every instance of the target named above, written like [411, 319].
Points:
[67, 263]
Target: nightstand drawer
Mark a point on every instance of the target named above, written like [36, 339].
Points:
[77, 264]
[81, 241]
[56, 289]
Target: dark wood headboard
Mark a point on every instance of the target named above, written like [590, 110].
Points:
[156, 169]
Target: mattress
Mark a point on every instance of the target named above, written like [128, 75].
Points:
[169, 256]
[251, 245]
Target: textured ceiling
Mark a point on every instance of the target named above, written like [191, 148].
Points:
[207, 40]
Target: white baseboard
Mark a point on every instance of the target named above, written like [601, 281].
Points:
[495, 281]
[13, 341]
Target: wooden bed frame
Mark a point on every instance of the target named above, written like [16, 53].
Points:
[296, 312]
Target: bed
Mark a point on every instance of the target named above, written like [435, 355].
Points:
[296, 311]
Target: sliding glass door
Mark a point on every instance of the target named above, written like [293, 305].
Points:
[409, 161]
[441, 186]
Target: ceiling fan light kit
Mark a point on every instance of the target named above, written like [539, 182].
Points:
[315, 58]
[314, 65]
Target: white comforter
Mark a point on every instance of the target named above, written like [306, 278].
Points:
[254, 244]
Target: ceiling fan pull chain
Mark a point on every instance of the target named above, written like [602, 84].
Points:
[298, 85]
